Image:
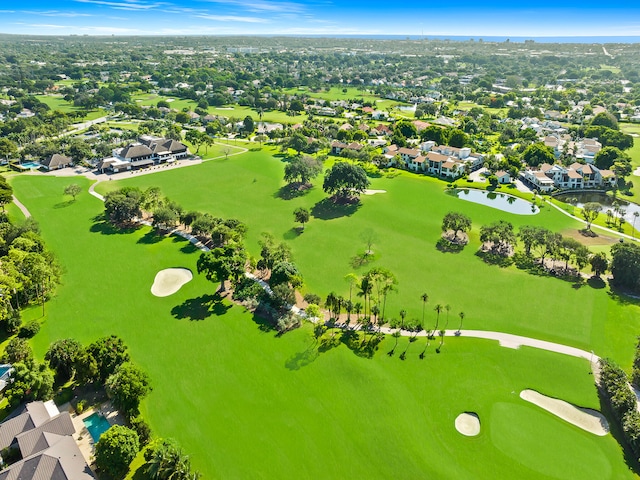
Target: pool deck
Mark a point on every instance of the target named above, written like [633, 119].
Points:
[82, 436]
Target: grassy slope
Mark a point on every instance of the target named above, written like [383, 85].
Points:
[406, 221]
[245, 403]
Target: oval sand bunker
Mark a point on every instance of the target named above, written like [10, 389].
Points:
[590, 420]
[468, 424]
[169, 281]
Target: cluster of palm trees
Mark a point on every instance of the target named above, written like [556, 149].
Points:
[167, 461]
[373, 287]
[418, 325]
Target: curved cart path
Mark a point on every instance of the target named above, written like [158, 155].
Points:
[22, 208]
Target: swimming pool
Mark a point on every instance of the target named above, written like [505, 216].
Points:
[97, 425]
[30, 165]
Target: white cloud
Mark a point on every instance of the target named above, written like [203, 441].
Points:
[56, 13]
[231, 18]
[263, 5]
[124, 5]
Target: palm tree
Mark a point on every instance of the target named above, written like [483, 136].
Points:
[366, 288]
[448, 309]
[461, 315]
[375, 310]
[403, 313]
[438, 308]
[395, 335]
[636, 214]
[348, 306]
[425, 299]
[352, 279]
[338, 306]
[330, 302]
[357, 307]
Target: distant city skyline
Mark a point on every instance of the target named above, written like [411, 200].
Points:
[319, 17]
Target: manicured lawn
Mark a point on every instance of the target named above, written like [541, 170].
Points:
[406, 221]
[246, 403]
[56, 102]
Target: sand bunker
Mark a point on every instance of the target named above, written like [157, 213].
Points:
[636, 172]
[590, 420]
[169, 281]
[468, 424]
[373, 192]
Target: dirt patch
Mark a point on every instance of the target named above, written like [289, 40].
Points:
[588, 240]
[589, 420]
[170, 280]
[468, 424]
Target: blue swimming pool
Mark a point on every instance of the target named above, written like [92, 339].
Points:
[97, 425]
[30, 165]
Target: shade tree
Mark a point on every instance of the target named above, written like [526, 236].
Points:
[499, 237]
[223, 263]
[115, 450]
[590, 212]
[127, 386]
[302, 169]
[345, 180]
[456, 221]
[301, 215]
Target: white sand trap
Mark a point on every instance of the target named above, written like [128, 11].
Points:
[590, 420]
[373, 192]
[468, 424]
[636, 172]
[169, 281]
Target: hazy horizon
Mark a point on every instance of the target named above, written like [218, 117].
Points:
[468, 19]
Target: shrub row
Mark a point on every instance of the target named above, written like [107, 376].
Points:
[615, 384]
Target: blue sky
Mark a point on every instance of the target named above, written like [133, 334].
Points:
[321, 17]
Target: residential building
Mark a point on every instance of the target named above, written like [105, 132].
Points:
[44, 438]
[56, 162]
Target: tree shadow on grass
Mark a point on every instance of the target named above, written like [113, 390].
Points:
[151, 237]
[302, 359]
[494, 259]
[327, 209]
[104, 227]
[361, 260]
[200, 308]
[189, 248]
[445, 246]
[596, 282]
[291, 191]
[63, 204]
[622, 296]
[292, 233]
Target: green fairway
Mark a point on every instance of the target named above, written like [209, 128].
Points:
[406, 221]
[57, 102]
[245, 403]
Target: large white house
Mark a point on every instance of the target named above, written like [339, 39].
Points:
[574, 177]
[147, 151]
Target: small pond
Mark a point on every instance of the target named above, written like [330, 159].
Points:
[579, 199]
[501, 201]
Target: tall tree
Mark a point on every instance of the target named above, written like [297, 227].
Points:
[127, 386]
[116, 449]
[302, 169]
[590, 212]
[301, 215]
[456, 221]
[223, 263]
[73, 190]
[599, 263]
[345, 180]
